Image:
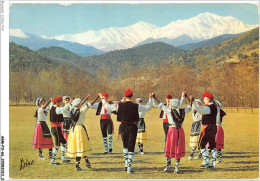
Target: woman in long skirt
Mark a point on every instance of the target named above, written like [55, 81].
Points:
[78, 140]
[175, 141]
[42, 137]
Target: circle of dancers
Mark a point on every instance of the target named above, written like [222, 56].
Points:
[67, 117]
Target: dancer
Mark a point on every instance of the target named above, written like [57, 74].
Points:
[42, 136]
[106, 123]
[78, 140]
[141, 133]
[67, 124]
[163, 115]
[175, 141]
[127, 114]
[220, 132]
[195, 129]
[56, 118]
[209, 129]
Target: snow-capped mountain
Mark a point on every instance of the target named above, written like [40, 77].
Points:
[35, 42]
[17, 33]
[201, 27]
[112, 38]
[205, 26]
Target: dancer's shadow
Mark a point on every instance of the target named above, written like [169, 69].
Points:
[102, 154]
[108, 169]
[244, 168]
[237, 156]
[241, 153]
[154, 153]
[247, 162]
[107, 162]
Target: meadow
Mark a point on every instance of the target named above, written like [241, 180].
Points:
[240, 155]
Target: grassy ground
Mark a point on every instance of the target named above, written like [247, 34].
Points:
[240, 156]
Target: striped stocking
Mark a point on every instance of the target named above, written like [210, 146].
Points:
[105, 143]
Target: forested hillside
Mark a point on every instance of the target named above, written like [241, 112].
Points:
[230, 70]
[23, 59]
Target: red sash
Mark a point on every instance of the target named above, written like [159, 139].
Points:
[202, 134]
[166, 119]
[107, 116]
[57, 124]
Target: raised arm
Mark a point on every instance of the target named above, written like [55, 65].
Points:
[59, 110]
[92, 103]
[110, 107]
[44, 107]
[183, 95]
[203, 111]
[157, 103]
[84, 101]
[147, 107]
[187, 109]
[85, 107]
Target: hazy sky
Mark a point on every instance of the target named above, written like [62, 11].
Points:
[56, 19]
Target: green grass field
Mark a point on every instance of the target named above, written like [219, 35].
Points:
[240, 156]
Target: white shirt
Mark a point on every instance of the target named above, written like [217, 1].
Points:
[83, 111]
[60, 110]
[42, 113]
[203, 110]
[197, 117]
[102, 111]
[66, 112]
[142, 113]
[141, 108]
[164, 114]
[167, 110]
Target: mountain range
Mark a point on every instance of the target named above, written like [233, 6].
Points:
[201, 27]
[209, 42]
[35, 42]
[244, 47]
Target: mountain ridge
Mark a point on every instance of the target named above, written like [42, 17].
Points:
[203, 26]
[35, 42]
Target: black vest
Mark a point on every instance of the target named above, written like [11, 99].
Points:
[100, 106]
[127, 112]
[222, 114]
[210, 118]
[161, 113]
[55, 117]
[178, 118]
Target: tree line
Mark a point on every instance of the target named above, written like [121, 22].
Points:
[232, 84]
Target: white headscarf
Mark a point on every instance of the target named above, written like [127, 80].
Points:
[175, 103]
[139, 99]
[38, 101]
[219, 104]
[199, 101]
[195, 101]
[76, 102]
[65, 97]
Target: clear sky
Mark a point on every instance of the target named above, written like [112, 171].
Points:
[56, 19]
